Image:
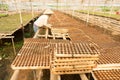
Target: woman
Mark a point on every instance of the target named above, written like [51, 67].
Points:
[42, 20]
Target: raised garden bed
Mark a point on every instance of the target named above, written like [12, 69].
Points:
[11, 23]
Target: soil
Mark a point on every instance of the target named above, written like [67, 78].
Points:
[80, 31]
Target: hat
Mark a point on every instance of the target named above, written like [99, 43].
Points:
[48, 11]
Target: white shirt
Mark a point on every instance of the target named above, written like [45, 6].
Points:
[42, 20]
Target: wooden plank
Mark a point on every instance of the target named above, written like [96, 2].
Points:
[40, 36]
[6, 36]
[107, 67]
[72, 67]
[75, 59]
[76, 55]
[71, 71]
[89, 63]
[29, 67]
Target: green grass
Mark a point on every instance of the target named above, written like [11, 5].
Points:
[115, 16]
[3, 15]
[12, 22]
[6, 51]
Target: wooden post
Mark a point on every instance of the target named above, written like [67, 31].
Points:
[46, 33]
[39, 74]
[53, 36]
[54, 77]
[64, 38]
[13, 46]
[15, 75]
[59, 78]
[83, 77]
[35, 36]
[34, 74]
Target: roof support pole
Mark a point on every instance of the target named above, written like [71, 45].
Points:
[20, 16]
[88, 13]
[112, 7]
[31, 9]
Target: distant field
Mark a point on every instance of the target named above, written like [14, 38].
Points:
[12, 22]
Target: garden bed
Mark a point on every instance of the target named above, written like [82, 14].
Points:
[11, 23]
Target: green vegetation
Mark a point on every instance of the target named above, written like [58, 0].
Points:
[101, 14]
[108, 8]
[7, 55]
[105, 8]
[3, 15]
[12, 22]
[6, 50]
